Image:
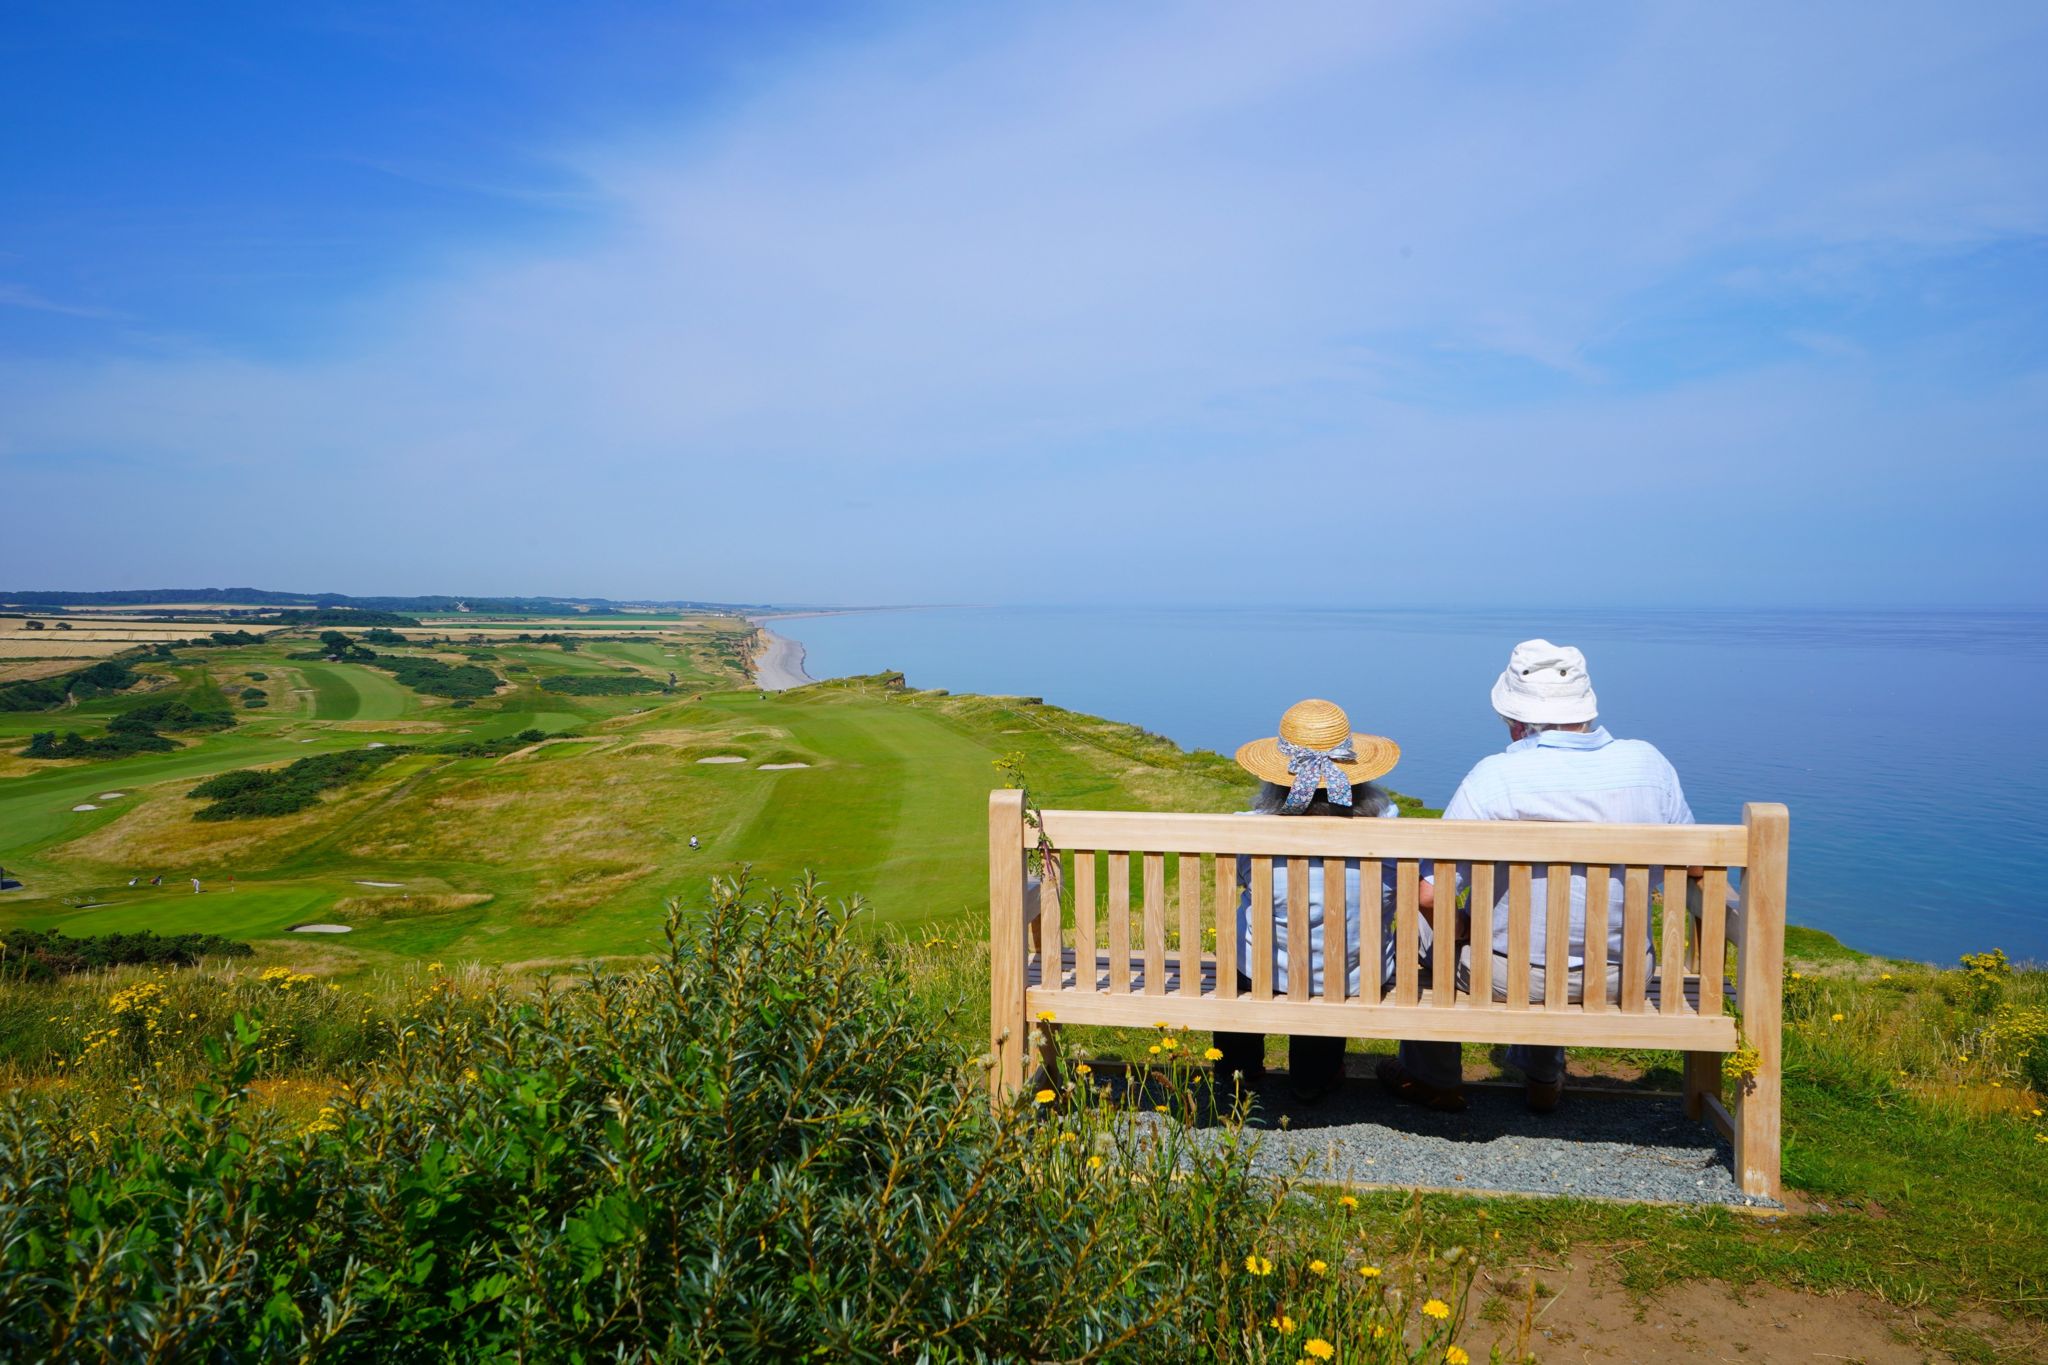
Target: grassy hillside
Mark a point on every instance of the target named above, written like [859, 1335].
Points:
[560, 848]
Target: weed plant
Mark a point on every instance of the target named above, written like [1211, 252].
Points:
[756, 1147]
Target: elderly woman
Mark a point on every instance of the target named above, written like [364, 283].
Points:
[1314, 766]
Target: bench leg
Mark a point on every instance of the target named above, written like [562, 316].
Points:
[1702, 1078]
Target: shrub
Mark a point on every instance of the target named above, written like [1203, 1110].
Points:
[260, 676]
[753, 1149]
[437, 679]
[33, 955]
[256, 703]
[116, 743]
[246, 793]
[171, 714]
[600, 685]
[47, 694]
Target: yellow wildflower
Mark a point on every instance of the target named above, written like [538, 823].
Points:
[1320, 1349]
[1318, 1267]
[1094, 1163]
[433, 966]
[1045, 1016]
[1283, 1322]
[1835, 1018]
[1371, 1272]
[1214, 1054]
[1455, 1355]
[1437, 1308]
[1258, 1265]
[1158, 1108]
[1045, 1097]
[1154, 1049]
[1168, 1043]
[469, 1074]
[1084, 1070]
[1348, 1201]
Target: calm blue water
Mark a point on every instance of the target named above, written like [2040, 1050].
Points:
[1911, 748]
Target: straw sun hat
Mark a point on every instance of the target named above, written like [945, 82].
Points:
[1322, 725]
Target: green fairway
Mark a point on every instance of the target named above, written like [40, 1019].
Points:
[353, 692]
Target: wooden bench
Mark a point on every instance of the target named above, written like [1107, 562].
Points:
[1145, 933]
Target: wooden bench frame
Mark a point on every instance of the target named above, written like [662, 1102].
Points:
[1159, 972]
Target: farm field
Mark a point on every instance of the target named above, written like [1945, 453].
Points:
[558, 847]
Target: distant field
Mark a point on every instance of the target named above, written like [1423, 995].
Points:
[555, 851]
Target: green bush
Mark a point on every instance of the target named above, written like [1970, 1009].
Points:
[47, 694]
[437, 679]
[247, 793]
[114, 744]
[171, 714]
[600, 685]
[752, 1149]
[33, 955]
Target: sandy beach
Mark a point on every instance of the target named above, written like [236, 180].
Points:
[780, 664]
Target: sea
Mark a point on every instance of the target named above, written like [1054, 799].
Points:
[1911, 747]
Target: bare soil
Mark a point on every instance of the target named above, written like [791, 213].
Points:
[1582, 1313]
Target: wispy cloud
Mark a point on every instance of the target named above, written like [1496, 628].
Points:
[1081, 298]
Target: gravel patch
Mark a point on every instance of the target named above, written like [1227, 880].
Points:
[1594, 1146]
[1626, 1147]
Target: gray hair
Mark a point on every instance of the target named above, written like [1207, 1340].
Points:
[1367, 799]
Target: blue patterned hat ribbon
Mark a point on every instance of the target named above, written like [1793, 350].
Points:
[1314, 768]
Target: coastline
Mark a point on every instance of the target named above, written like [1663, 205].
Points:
[779, 664]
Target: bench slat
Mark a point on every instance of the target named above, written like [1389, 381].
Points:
[1300, 949]
[1635, 934]
[1226, 926]
[1261, 915]
[1155, 922]
[1671, 968]
[1713, 938]
[1463, 840]
[1119, 921]
[1084, 915]
[1372, 875]
[1519, 880]
[1557, 934]
[1598, 907]
[1407, 939]
[1481, 905]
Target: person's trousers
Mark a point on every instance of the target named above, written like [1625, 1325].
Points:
[1439, 1064]
[1311, 1060]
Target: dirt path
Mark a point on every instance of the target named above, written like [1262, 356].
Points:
[1582, 1314]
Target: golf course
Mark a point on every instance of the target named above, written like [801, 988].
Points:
[538, 826]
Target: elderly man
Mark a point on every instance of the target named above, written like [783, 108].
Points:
[1560, 764]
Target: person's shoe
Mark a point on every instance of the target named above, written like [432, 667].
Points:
[1403, 1086]
[1306, 1091]
[1543, 1096]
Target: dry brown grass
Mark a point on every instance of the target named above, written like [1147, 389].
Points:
[556, 899]
[60, 645]
[19, 670]
[399, 905]
[159, 831]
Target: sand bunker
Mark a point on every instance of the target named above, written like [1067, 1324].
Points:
[112, 796]
[771, 767]
[360, 882]
[87, 806]
[723, 758]
[322, 929]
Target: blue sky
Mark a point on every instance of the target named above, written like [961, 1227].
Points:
[1310, 304]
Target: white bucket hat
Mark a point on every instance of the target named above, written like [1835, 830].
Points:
[1546, 684]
